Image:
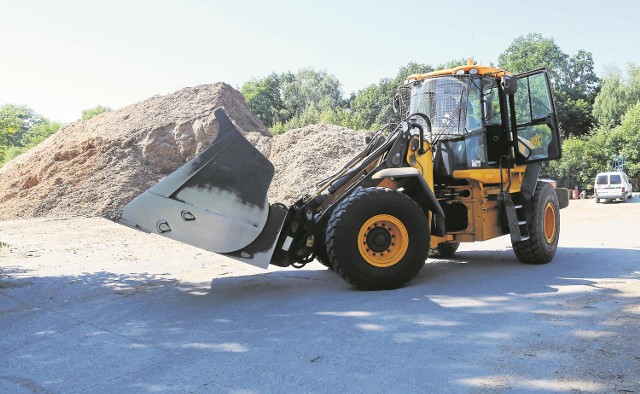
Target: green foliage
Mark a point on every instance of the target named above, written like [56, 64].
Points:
[322, 113]
[93, 112]
[283, 100]
[367, 105]
[263, 98]
[574, 81]
[531, 52]
[20, 129]
[627, 139]
[288, 100]
[577, 78]
[574, 167]
[617, 95]
[15, 121]
[307, 87]
[574, 115]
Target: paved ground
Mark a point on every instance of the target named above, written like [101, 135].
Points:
[87, 305]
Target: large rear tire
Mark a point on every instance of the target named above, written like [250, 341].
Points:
[377, 239]
[544, 228]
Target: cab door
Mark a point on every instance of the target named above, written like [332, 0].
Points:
[537, 135]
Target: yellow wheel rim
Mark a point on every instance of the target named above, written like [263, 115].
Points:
[383, 240]
[549, 223]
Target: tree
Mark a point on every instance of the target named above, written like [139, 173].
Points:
[281, 99]
[617, 95]
[368, 104]
[574, 115]
[92, 112]
[627, 137]
[307, 87]
[578, 79]
[323, 112]
[263, 98]
[573, 169]
[531, 52]
[15, 121]
[20, 129]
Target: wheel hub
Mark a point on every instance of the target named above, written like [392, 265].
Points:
[383, 240]
[549, 223]
[379, 239]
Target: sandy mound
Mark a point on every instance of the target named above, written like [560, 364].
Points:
[93, 168]
[305, 156]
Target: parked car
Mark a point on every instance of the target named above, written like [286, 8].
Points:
[612, 186]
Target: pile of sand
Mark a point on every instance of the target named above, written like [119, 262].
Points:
[305, 156]
[93, 168]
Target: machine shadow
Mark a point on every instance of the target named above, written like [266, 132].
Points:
[467, 272]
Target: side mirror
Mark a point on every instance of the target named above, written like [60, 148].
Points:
[509, 84]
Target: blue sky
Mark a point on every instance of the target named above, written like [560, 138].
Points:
[60, 57]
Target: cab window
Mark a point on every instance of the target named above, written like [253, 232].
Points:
[537, 132]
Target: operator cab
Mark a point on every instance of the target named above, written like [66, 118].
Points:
[472, 111]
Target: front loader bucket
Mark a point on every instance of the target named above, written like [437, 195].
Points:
[217, 201]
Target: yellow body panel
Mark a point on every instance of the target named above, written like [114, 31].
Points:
[492, 176]
[482, 206]
[483, 214]
[421, 162]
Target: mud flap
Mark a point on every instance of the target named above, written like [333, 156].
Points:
[217, 201]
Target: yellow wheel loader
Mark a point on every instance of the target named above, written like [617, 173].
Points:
[461, 166]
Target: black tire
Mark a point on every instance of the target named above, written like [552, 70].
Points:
[444, 249]
[544, 228]
[597, 200]
[377, 239]
[322, 256]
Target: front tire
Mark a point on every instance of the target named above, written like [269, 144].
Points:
[377, 239]
[544, 228]
[322, 256]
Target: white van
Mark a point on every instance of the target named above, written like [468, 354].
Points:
[612, 186]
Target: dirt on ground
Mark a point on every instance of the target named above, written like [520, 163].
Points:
[94, 167]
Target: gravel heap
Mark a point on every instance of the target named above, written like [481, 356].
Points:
[305, 156]
[93, 168]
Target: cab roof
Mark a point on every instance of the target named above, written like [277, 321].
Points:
[469, 68]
